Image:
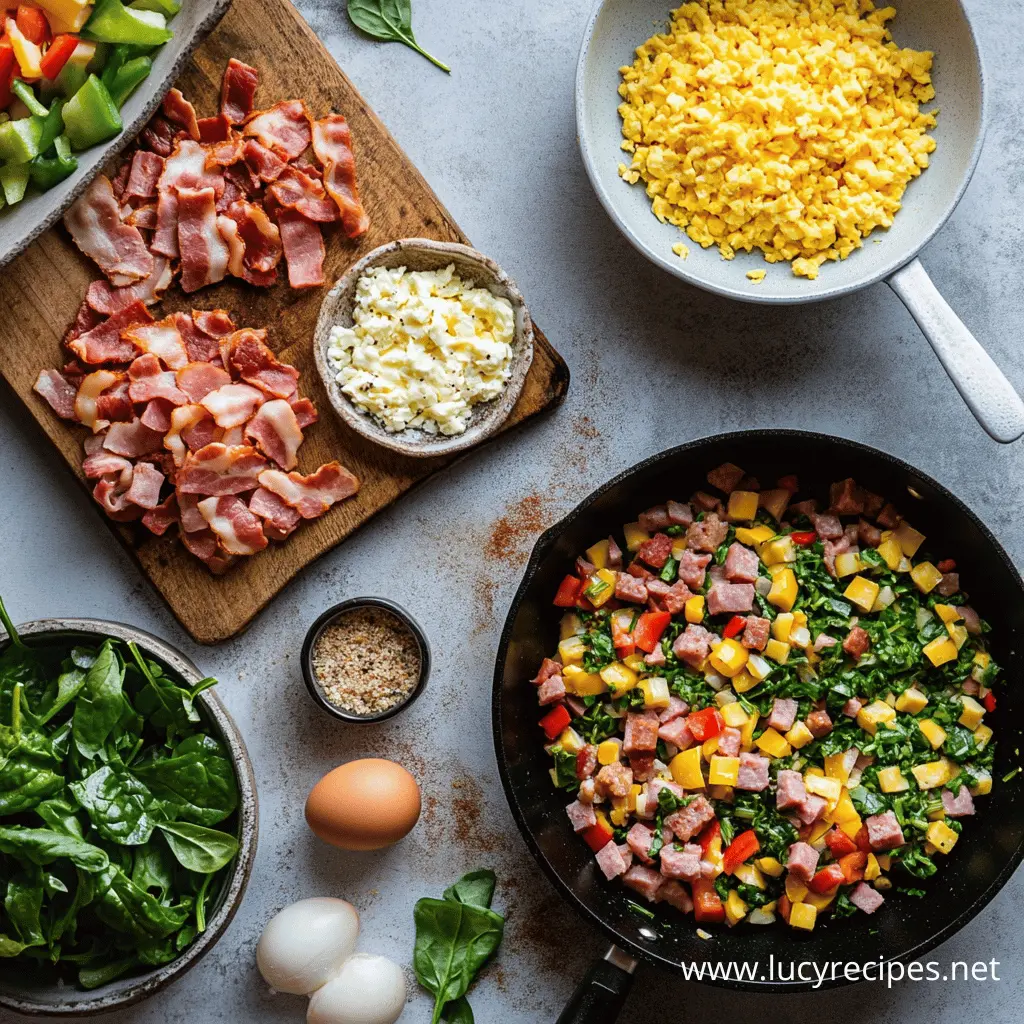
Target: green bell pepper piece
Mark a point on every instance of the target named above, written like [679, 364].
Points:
[118, 56]
[168, 8]
[71, 78]
[127, 79]
[24, 93]
[19, 140]
[112, 22]
[62, 147]
[91, 116]
[14, 181]
[53, 125]
[46, 171]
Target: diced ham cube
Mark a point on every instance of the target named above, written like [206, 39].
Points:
[705, 502]
[889, 518]
[684, 864]
[614, 554]
[643, 880]
[629, 588]
[677, 732]
[674, 601]
[753, 774]
[741, 564]
[655, 552]
[586, 761]
[972, 620]
[610, 861]
[730, 597]
[726, 477]
[949, 584]
[639, 839]
[802, 862]
[852, 707]
[856, 643]
[970, 687]
[679, 514]
[884, 832]
[581, 815]
[641, 736]
[584, 569]
[819, 723]
[833, 548]
[614, 780]
[872, 502]
[868, 536]
[551, 690]
[865, 898]
[626, 853]
[636, 569]
[692, 568]
[824, 642]
[675, 895]
[707, 535]
[642, 767]
[656, 658]
[729, 742]
[804, 508]
[791, 791]
[756, 633]
[689, 820]
[587, 791]
[676, 709]
[959, 806]
[657, 785]
[811, 809]
[654, 519]
[548, 668]
[826, 525]
[783, 714]
[692, 645]
[846, 498]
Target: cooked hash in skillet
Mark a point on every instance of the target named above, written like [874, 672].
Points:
[765, 709]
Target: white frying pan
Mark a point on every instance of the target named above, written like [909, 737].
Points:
[617, 27]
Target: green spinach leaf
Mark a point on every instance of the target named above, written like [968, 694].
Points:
[44, 846]
[389, 21]
[99, 705]
[198, 848]
[118, 805]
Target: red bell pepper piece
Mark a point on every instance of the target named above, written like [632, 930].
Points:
[804, 539]
[706, 724]
[989, 701]
[946, 565]
[622, 639]
[32, 24]
[862, 840]
[569, 591]
[735, 626]
[742, 848]
[827, 878]
[649, 628]
[6, 72]
[839, 843]
[709, 834]
[57, 54]
[555, 721]
[785, 906]
[597, 836]
[789, 483]
[853, 865]
[707, 907]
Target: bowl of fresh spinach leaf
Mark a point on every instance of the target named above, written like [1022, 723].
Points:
[128, 816]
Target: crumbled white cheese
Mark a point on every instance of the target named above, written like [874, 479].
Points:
[425, 347]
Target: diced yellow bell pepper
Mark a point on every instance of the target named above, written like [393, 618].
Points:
[635, 536]
[569, 626]
[618, 677]
[932, 732]
[941, 836]
[877, 713]
[891, 780]
[600, 588]
[708, 748]
[957, 633]
[908, 539]
[862, 592]
[733, 715]
[693, 610]
[724, 771]
[799, 735]
[984, 784]
[777, 651]
[795, 889]
[780, 551]
[742, 506]
[848, 564]
[655, 691]
[820, 901]
[609, 751]
[941, 650]
[27, 53]
[934, 773]
[775, 501]
[972, 713]
[635, 662]
[634, 792]
[871, 869]
[71, 15]
[816, 769]
[830, 789]
[983, 659]
[597, 555]
[948, 613]
[571, 650]
[570, 740]
[803, 916]
[926, 577]
[744, 681]
[783, 625]
[754, 536]
[784, 590]
[773, 744]
[747, 731]
[844, 809]
[839, 766]
[685, 769]
[851, 826]
[749, 874]
[758, 667]
[582, 683]
[911, 700]
[735, 908]
[728, 658]
[619, 812]
[770, 866]
[982, 735]
[891, 554]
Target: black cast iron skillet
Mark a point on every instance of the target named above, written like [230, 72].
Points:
[993, 841]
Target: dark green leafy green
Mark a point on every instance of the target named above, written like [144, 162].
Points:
[118, 804]
[389, 21]
[199, 848]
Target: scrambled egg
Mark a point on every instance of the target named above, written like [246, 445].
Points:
[424, 349]
[791, 126]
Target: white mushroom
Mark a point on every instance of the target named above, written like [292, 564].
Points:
[368, 990]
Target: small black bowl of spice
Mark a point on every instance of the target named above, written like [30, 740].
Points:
[365, 659]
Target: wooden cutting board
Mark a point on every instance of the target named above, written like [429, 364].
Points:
[41, 291]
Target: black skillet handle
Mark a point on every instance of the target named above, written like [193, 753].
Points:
[602, 993]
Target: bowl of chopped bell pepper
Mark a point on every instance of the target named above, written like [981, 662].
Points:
[78, 80]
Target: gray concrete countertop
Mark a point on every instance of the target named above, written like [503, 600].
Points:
[654, 362]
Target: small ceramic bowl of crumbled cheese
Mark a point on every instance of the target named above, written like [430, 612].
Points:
[424, 346]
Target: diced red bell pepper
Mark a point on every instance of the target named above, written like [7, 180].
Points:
[708, 835]
[827, 878]
[735, 626]
[785, 906]
[57, 54]
[649, 628]
[946, 565]
[32, 24]
[6, 72]
[853, 865]
[555, 721]
[622, 639]
[705, 725]
[707, 906]
[839, 843]
[862, 839]
[789, 483]
[742, 848]
[569, 591]
[989, 700]
[597, 836]
[804, 539]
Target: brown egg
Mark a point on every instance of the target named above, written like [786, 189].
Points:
[364, 805]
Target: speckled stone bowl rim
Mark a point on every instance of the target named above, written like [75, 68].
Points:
[129, 991]
[330, 615]
[487, 417]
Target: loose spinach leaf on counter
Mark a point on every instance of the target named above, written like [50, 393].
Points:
[389, 21]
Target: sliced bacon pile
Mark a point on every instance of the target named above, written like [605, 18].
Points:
[194, 422]
[211, 197]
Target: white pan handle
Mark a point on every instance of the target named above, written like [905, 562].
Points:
[988, 394]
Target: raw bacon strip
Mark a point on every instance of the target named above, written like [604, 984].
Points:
[298, 191]
[58, 392]
[115, 403]
[104, 343]
[120, 181]
[303, 249]
[260, 236]
[101, 463]
[160, 135]
[239, 531]
[305, 411]
[217, 470]
[198, 345]
[160, 519]
[276, 432]
[236, 247]
[224, 152]
[332, 143]
[204, 254]
[285, 128]
[165, 241]
[216, 323]
[198, 379]
[94, 222]
[184, 419]
[214, 129]
[179, 111]
[312, 495]
[157, 415]
[250, 358]
[108, 300]
[93, 385]
[186, 168]
[149, 380]
[133, 439]
[162, 339]
[146, 168]
[280, 520]
[190, 517]
[262, 161]
[203, 544]
[233, 404]
[144, 217]
[85, 320]
[238, 91]
[113, 496]
[146, 483]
